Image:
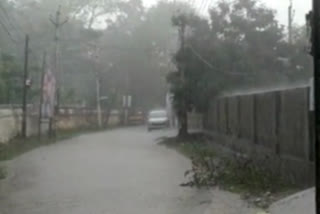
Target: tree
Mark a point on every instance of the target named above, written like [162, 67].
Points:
[135, 45]
[180, 79]
[250, 39]
[10, 75]
[139, 46]
[242, 46]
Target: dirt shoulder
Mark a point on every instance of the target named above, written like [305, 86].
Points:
[245, 182]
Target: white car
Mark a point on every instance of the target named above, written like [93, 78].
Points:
[158, 119]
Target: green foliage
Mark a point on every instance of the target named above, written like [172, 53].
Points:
[237, 174]
[242, 46]
[2, 173]
[135, 46]
[241, 42]
[10, 77]
[139, 47]
[18, 146]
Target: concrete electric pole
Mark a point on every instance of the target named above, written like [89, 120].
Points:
[26, 84]
[182, 112]
[43, 70]
[57, 23]
[95, 57]
[99, 116]
[290, 21]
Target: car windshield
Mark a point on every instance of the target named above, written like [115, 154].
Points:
[157, 114]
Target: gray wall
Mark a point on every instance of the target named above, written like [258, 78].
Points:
[274, 124]
[10, 124]
[69, 118]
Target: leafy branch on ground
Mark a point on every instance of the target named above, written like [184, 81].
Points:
[238, 174]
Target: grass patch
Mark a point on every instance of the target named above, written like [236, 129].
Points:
[18, 146]
[2, 173]
[194, 147]
[238, 174]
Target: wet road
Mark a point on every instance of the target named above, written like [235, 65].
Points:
[114, 172]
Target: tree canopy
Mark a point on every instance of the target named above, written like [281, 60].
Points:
[241, 46]
[134, 45]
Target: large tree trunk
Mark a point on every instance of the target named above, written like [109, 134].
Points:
[183, 123]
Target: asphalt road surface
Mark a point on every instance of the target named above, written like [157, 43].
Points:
[122, 171]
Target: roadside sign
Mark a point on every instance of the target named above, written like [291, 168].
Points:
[127, 101]
[124, 101]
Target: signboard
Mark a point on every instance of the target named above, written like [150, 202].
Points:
[124, 101]
[49, 95]
[127, 101]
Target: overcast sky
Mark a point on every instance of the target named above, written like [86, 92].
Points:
[281, 6]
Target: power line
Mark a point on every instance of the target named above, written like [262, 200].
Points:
[208, 5]
[7, 16]
[196, 53]
[16, 28]
[8, 32]
[200, 57]
[201, 6]
[204, 5]
[14, 40]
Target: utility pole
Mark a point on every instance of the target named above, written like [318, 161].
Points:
[41, 93]
[99, 117]
[290, 21]
[26, 84]
[182, 112]
[58, 24]
[127, 99]
[95, 57]
[314, 19]
[182, 34]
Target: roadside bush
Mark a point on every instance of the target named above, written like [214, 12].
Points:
[238, 174]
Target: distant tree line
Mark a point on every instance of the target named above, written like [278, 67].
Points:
[132, 48]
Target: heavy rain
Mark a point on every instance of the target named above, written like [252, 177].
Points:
[159, 107]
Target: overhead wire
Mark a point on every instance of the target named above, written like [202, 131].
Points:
[8, 32]
[199, 56]
[19, 35]
[5, 28]
[204, 6]
[201, 6]
[15, 27]
[206, 62]
[9, 20]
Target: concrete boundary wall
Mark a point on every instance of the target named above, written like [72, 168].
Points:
[273, 124]
[10, 124]
[68, 119]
